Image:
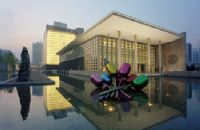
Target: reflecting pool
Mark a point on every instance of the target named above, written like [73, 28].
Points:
[166, 103]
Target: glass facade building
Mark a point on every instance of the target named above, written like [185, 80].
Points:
[55, 38]
[118, 39]
[94, 52]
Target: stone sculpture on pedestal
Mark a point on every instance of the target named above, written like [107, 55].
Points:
[25, 69]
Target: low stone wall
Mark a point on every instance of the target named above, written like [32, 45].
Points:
[182, 73]
[166, 73]
[88, 73]
[81, 73]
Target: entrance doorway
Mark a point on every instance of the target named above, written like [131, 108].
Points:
[141, 68]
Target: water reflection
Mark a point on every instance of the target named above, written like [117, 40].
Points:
[37, 91]
[163, 104]
[25, 100]
[5, 76]
[55, 104]
[7, 89]
[110, 105]
[162, 99]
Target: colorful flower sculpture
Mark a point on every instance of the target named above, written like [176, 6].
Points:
[117, 83]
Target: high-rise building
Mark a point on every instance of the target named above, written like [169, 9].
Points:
[37, 53]
[195, 56]
[196, 53]
[188, 53]
[55, 38]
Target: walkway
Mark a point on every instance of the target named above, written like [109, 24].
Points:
[36, 78]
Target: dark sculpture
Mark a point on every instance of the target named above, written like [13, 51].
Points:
[25, 69]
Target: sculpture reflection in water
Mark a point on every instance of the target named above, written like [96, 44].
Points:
[139, 98]
[25, 99]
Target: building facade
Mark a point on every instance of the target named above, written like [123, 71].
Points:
[119, 38]
[37, 53]
[55, 38]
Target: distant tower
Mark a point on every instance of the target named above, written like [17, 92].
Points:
[55, 38]
[37, 53]
[196, 52]
[189, 53]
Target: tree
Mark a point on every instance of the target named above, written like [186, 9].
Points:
[10, 58]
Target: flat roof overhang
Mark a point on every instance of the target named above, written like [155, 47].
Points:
[128, 26]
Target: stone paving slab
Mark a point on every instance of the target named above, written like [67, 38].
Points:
[36, 78]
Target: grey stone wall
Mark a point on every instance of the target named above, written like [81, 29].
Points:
[173, 56]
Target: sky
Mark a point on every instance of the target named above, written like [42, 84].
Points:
[23, 22]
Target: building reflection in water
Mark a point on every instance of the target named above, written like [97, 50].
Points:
[174, 94]
[37, 91]
[55, 104]
[194, 88]
[25, 100]
[78, 96]
[4, 77]
[162, 99]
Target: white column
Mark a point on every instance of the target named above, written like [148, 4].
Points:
[119, 49]
[160, 56]
[98, 54]
[136, 53]
[149, 55]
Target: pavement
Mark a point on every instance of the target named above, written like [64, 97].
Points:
[36, 78]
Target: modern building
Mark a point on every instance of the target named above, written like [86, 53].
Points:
[189, 53]
[55, 38]
[119, 38]
[37, 53]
